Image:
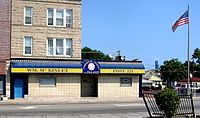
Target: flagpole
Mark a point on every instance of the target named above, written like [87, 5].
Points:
[188, 73]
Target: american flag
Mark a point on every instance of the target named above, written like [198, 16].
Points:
[184, 19]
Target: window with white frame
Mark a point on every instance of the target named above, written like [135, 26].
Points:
[68, 47]
[50, 16]
[59, 17]
[27, 45]
[50, 46]
[69, 18]
[56, 47]
[47, 82]
[28, 11]
[59, 47]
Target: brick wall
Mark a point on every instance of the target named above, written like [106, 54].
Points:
[5, 8]
[67, 87]
[109, 88]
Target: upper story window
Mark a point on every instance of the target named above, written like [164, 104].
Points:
[27, 45]
[68, 47]
[60, 17]
[28, 12]
[50, 16]
[69, 18]
[59, 47]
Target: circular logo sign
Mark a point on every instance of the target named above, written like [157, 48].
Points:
[91, 66]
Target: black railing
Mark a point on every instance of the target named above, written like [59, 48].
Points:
[186, 106]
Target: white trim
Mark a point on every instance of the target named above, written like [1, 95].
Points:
[71, 24]
[24, 46]
[47, 18]
[64, 18]
[25, 15]
[53, 17]
[54, 47]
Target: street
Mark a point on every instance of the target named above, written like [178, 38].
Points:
[103, 110]
[114, 110]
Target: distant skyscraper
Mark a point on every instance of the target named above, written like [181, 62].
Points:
[156, 65]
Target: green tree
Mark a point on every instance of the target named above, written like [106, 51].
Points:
[196, 55]
[168, 101]
[195, 65]
[173, 70]
[88, 53]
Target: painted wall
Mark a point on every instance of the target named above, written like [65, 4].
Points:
[109, 88]
[67, 87]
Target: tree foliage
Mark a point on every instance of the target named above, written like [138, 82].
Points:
[88, 53]
[173, 70]
[196, 55]
[195, 65]
[168, 101]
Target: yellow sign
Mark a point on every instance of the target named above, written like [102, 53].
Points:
[46, 70]
[122, 71]
[75, 70]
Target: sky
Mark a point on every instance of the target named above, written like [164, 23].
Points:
[140, 28]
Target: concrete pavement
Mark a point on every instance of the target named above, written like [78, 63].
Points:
[103, 110]
[69, 109]
[80, 101]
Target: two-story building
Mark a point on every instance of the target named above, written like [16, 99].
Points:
[40, 47]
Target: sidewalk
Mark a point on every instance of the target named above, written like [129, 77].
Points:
[80, 101]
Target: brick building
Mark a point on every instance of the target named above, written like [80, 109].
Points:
[40, 49]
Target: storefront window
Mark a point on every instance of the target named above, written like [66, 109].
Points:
[47, 82]
[125, 82]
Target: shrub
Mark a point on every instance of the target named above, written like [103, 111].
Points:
[168, 101]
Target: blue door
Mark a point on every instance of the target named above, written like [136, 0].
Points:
[18, 88]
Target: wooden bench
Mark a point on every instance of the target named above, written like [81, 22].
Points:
[186, 106]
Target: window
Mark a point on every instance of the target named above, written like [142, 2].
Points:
[125, 82]
[62, 47]
[59, 46]
[69, 18]
[50, 16]
[28, 15]
[27, 45]
[68, 47]
[50, 47]
[59, 17]
[47, 82]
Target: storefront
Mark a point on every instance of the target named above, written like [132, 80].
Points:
[76, 80]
